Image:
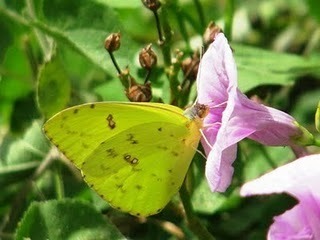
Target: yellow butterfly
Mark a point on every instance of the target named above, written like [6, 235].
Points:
[135, 155]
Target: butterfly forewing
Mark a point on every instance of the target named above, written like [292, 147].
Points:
[78, 130]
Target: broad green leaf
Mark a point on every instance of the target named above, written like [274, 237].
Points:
[259, 159]
[7, 37]
[83, 26]
[21, 156]
[106, 91]
[54, 87]
[203, 199]
[314, 7]
[305, 107]
[121, 3]
[15, 81]
[65, 219]
[258, 67]
[252, 218]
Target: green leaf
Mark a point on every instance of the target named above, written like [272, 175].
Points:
[54, 87]
[15, 81]
[203, 199]
[121, 3]
[22, 156]
[106, 91]
[83, 26]
[65, 219]
[258, 67]
[259, 159]
[314, 7]
[7, 37]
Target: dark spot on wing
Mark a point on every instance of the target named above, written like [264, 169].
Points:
[104, 168]
[92, 105]
[71, 132]
[111, 153]
[175, 153]
[132, 139]
[84, 145]
[160, 129]
[139, 187]
[75, 111]
[130, 159]
[111, 122]
[136, 169]
[162, 147]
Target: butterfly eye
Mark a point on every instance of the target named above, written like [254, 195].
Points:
[202, 110]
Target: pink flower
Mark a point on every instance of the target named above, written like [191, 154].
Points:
[299, 179]
[233, 116]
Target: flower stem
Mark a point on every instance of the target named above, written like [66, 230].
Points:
[44, 41]
[317, 142]
[228, 18]
[58, 182]
[267, 156]
[194, 223]
[114, 62]
[164, 41]
[17, 203]
[182, 26]
[160, 35]
[200, 13]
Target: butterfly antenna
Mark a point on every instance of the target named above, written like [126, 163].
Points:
[205, 139]
[199, 70]
[204, 156]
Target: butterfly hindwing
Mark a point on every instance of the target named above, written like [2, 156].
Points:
[140, 169]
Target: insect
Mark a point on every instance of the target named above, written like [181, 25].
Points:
[134, 155]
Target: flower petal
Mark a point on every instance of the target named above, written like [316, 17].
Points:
[295, 178]
[232, 116]
[219, 168]
[290, 225]
[217, 72]
[301, 180]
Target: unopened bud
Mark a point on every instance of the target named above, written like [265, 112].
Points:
[139, 92]
[305, 138]
[153, 5]
[317, 118]
[112, 42]
[190, 67]
[147, 57]
[210, 33]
